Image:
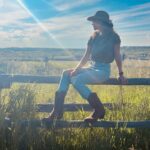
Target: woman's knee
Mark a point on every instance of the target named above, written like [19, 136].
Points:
[66, 72]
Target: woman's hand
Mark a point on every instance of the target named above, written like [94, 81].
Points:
[123, 80]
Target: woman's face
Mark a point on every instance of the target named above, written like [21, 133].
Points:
[96, 25]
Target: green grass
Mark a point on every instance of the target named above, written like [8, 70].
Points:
[19, 103]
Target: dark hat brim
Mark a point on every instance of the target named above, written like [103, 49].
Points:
[106, 22]
[91, 18]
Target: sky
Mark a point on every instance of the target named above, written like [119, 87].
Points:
[63, 23]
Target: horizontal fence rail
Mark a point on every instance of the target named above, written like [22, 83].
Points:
[80, 124]
[75, 107]
[7, 80]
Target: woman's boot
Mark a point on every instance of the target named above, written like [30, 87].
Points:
[57, 112]
[99, 111]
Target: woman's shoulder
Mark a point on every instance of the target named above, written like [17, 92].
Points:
[92, 38]
[116, 38]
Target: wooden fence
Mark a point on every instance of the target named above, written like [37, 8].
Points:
[7, 80]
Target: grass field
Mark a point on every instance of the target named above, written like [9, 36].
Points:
[24, 97]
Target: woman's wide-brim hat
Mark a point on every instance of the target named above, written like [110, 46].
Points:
[101, 16]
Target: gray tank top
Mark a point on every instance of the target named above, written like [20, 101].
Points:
[102, 47]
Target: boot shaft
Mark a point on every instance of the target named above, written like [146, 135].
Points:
[98, 107]
[59, 101]
[59, 97]
[93, 100]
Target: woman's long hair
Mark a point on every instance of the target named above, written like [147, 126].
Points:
[106, 28]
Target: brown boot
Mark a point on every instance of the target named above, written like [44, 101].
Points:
[57, 112]
[99, 110]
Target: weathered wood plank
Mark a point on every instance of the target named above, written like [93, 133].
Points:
[8, 79]
[81, 124]
[55, 79]
[75, 107]
[100, 124]
[5, 81]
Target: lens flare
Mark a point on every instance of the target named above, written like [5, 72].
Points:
[44, 28]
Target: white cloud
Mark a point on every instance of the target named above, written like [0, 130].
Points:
[142, 9]
[59, 27]
[135, 38]
[62, 5]
[11, 12]
[72, 4]
[13, 30]
[70, 29]
[132, 24]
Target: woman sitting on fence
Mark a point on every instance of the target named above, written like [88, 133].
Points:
[103, 47]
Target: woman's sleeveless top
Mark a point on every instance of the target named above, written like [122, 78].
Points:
[102, 47]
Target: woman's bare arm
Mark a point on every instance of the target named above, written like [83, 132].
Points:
[85, 58]
[118, 57]
[118, 60]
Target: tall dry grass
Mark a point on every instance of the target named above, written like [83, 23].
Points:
[19, 103]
